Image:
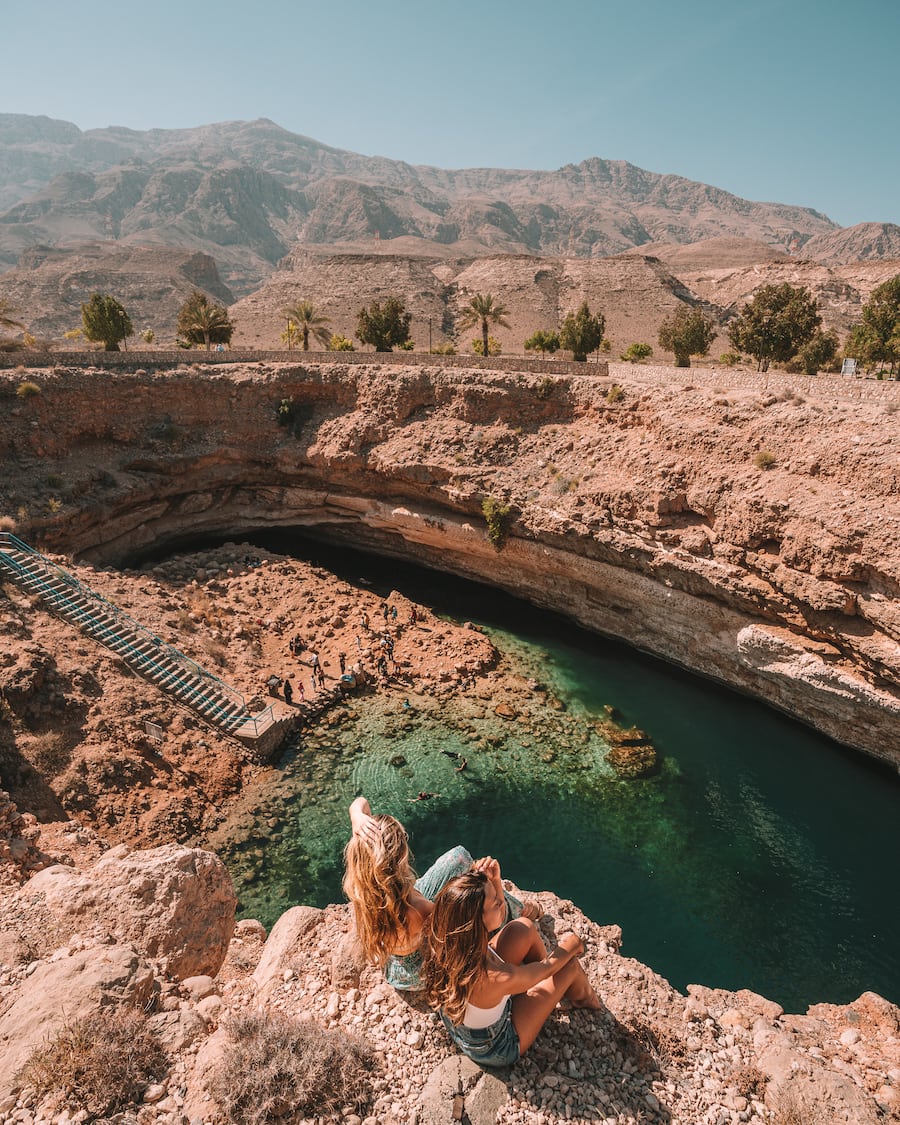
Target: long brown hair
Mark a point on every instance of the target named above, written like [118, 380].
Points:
[457, 945]
[377, 880]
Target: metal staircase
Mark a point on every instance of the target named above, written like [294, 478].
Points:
[146, 654]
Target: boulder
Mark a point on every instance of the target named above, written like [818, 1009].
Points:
[284, 936]
[173, 903]
[459, 1090]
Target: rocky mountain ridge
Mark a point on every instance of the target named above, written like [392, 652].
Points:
[248, 192]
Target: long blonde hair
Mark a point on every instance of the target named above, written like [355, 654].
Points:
[457, 944]
[377, 880]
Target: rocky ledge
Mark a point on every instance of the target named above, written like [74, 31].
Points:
[155, 931]
[747, 530]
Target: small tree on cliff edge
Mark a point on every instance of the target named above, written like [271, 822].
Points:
[581, 333]
[687, 332]
[202, 321]
[384, 326]
[776, 324]
[105, 321]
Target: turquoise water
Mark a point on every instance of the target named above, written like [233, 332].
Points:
[761, 856]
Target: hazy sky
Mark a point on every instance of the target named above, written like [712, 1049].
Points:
[792, 101]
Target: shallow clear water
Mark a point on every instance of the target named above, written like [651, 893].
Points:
[762, 855]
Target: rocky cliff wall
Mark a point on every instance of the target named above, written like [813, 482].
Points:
[750, 533]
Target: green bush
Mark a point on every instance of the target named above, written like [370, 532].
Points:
[275, 1068]
[634, 353]
[291, 415]
[615, 394]
[340, 344]
[28, 390]
[543, 388]
[498, 517]
[729, 359]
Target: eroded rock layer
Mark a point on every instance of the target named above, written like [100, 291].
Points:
[750, 532]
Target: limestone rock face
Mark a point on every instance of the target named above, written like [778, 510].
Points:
[175, 904]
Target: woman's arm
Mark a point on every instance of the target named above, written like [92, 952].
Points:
[519, 978]
[362, 822]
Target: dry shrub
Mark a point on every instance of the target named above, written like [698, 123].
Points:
[651, 1048]
[764, 459]
[49, 753]
[275, 1066]
[217, 652]
[202, 607]
[100, 1063]
[789, 1109]
[749, 1081]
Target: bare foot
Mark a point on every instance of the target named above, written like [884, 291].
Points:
[588, 1001]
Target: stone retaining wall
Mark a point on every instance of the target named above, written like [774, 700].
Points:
[183, 358]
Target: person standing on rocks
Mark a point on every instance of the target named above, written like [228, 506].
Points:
[391, 907]
[288, 691]
[495, 994]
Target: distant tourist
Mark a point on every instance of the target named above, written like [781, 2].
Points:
[288, 692]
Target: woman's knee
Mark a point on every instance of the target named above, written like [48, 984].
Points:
[517, 939]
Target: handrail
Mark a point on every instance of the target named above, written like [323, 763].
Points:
[205, 701]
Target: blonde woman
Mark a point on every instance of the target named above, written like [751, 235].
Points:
[391, 907]
[495, 995]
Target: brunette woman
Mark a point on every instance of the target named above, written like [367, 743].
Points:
[495, 994]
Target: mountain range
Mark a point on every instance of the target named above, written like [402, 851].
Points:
[237, 207]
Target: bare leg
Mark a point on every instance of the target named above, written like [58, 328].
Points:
[518, 942]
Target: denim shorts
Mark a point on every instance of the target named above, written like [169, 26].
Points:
[494, 1046]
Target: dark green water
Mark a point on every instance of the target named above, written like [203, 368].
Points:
[762, 856]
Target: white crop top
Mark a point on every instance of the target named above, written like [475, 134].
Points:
[477, 1018]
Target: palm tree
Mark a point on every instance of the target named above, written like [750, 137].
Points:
[200, 319]
[306, 319]
[7, 320]
[483, 311]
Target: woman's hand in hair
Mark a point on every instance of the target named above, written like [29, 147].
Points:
[362, 822]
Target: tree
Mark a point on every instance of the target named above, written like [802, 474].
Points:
[876, 338]
[105, 321]
[775, 324]
[543, 342]
[581, 333]
[384, 326]
[202, 321]
[687, 332]
[307, 321]
[483, 311]
[817, 352]
[290, 335]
